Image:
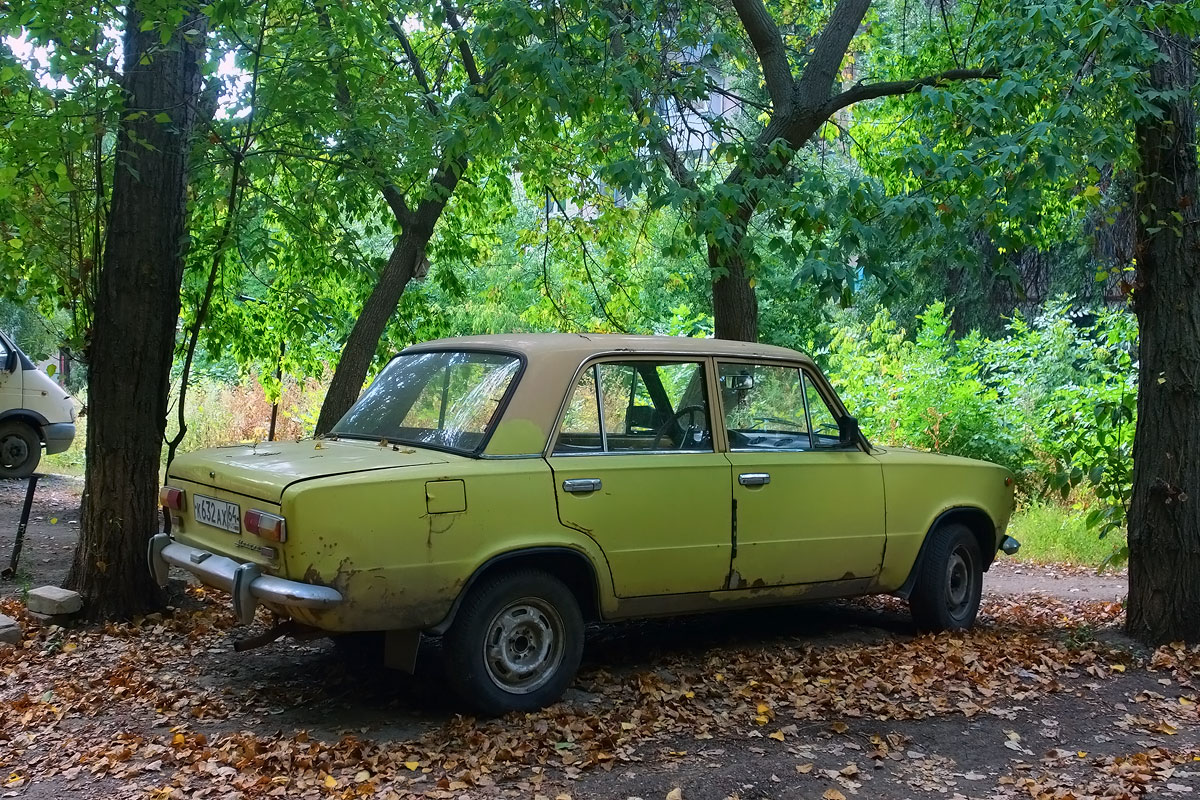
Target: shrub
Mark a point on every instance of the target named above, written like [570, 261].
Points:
[1053, 399]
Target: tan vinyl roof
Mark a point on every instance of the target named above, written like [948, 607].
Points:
[551, 362]
[583, 345]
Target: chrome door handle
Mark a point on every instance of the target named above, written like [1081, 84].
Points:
[754, 479]
[582, 485]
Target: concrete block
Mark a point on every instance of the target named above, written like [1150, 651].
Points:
[54, 601]
[10, 631]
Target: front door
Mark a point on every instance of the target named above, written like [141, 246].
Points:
[635, 469]
[806, 509]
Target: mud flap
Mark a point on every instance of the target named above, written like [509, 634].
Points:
[400, 650]
[243, 600]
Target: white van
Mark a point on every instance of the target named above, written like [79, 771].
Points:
[34, 412]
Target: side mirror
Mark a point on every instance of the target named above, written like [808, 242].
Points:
[10, 361]
[848, 432]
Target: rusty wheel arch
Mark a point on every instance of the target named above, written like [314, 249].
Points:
[976, 520]
[572, 567]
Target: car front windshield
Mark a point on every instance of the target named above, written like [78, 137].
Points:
[448, 400]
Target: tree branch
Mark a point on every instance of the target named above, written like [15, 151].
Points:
[869, 91]
[830, 50]
[464, 48]
[395, 201]
[768, 46]
[418, 71]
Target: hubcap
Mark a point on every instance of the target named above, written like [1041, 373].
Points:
[524, 645]
[959, 579]
[13, 451]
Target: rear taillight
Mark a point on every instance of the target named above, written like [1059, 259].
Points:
[170, 497]
[268, 526]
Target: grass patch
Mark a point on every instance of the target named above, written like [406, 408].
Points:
[1054, 534]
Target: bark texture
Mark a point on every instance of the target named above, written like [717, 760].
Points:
[136, 311]
[1164, 515]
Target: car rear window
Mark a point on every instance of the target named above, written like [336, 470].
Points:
[448, 400]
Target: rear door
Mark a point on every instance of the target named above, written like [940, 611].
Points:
[635, 468]
[807, 510]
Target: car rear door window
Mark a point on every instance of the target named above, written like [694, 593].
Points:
[637, 406]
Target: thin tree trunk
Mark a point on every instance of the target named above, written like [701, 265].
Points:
[136, 312]
[360, 346]
[1164, 515]
[735, 307]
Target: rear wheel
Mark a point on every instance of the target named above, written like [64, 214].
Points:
[950, 584]
[515, 643]
[20, 450]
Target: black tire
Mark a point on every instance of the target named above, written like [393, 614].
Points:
[20, 450]
[950, 584]
[516, 642]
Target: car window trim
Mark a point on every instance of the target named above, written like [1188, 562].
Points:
[594, 360]
[807, 372]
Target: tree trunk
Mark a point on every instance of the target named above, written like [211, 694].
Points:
[136, 312]
[735, 307]
[360, 347]
[1164, 514]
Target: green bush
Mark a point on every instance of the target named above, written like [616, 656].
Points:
[1053, 399]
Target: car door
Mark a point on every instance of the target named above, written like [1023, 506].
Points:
[635, 468]
[806, 509]
[11, 378]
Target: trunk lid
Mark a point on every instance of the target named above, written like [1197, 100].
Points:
[263, 470]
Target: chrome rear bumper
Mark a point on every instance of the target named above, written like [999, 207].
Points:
[244, 581]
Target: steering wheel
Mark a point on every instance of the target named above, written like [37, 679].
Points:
[800, 426]
[691, 412]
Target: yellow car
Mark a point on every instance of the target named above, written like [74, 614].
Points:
[502, 490]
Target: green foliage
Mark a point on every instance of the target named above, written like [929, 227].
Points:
[1052, 399]
[1053, 533]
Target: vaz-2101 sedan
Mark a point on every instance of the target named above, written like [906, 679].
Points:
[503, 490]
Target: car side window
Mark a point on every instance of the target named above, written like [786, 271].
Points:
[825, 430]
[637, 406]
[764, 407]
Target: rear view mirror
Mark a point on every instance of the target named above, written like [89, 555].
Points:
[848, 433]
[741, 383]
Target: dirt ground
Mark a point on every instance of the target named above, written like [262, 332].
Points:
[1046, 699]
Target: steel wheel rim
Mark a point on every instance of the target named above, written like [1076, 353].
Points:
[524, 645]
[960, 578]
[13, 450]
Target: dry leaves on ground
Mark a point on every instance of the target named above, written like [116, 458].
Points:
[125, 701]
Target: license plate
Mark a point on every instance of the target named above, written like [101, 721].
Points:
[217, 513]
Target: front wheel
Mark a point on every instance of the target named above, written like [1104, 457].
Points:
[20, 450]
[950, 584]
[515, 643]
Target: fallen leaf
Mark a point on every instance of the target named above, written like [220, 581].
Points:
[833, 794]
[839, 727]
[675, 794]
[804, 769]
[777, 736]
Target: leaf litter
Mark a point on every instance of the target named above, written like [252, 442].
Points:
[127, 702]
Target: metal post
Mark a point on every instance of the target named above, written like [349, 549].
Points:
[275, 405]
[11, 572]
